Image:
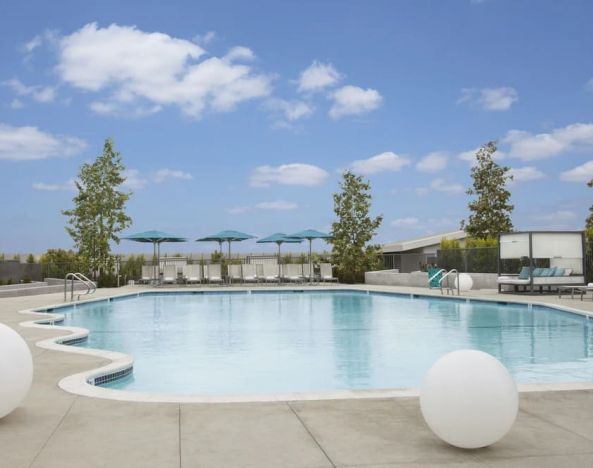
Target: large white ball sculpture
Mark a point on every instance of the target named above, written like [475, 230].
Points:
[16, 370]
[469, 399]
[465, 282]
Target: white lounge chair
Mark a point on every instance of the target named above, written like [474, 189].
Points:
[170, 274]
[213, 273]
[250, 273]
[309, 272]
[293, 273]
[147, 274]
[270, 273]
[192, 273]
[325, 272]
[235, 273]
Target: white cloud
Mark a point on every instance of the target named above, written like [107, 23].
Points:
[290, 111]
[318, 76]
[470, 156]
[582, 173]
[352, 100]
[163, 175]
[387, 161]
[589, 85]
[491, 99]
[29, 143]
[555, 216]
[239, 209]
[526, 174]
[279, 205]
[205, 39]
[155, 69]
[16, 104]
[288, 174]
[134, 180]
[440, 185]
[529, 147]
[405, 222]
[433, 162]
[49, 36]
[68, 185]
[42, 94]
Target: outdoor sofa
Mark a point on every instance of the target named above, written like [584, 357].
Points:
[541, 277]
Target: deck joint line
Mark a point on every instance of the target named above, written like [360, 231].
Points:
[311, 435]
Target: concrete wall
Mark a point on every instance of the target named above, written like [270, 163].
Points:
[420, 279]
[34, 289]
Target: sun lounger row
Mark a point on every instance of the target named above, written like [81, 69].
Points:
[246, 273]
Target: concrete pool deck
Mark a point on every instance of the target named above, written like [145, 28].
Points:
[54, 428]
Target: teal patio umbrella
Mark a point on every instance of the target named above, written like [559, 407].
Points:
[156, 238]
[226, 236]
[310, 234]
[279, 239]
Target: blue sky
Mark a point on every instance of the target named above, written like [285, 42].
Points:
[241, 115]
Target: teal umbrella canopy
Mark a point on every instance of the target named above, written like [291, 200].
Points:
[280, 238]
[310, 234]
[226, 236]
[154, 236]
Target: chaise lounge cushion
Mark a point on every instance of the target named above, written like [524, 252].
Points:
[524, 273]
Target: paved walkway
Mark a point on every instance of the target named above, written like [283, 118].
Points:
[57, 429]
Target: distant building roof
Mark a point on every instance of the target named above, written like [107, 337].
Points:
[418, 243]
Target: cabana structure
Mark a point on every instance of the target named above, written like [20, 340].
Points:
[538, 259]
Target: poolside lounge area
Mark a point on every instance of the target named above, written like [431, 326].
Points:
[58, 429]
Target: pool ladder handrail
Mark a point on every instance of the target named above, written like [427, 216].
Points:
[90, 285]
[449, 289]
[441, 271]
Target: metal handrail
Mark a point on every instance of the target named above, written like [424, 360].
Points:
[446, 275]
[91, 286]
[435, 275]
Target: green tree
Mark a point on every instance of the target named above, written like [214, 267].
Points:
[353, 230]
[490, 211]
[99, 210]
[589, 221]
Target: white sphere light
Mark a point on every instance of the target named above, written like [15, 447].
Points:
[469, 399]
[465, 282]
[16, 370]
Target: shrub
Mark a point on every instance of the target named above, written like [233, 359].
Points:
[30, 259]
[58, 262]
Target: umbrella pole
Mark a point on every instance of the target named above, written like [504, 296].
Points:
[310, 262]
[279, 260]
[158, 262]
[228, 266]
[154, 264]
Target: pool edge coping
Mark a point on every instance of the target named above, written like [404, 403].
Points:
[78, 383]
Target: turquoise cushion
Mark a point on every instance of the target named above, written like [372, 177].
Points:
[559, 272]
[548, 271]
[524, 273]
[538, 271]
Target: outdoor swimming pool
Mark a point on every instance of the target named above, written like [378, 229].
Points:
[229, 343]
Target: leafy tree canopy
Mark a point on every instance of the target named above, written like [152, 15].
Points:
[353, 230]
[490, 210]
[99, 209]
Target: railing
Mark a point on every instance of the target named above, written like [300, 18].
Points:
[435, 276]
[91, 286]
[449, 288]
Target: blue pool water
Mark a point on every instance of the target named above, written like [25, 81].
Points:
[238, 343]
